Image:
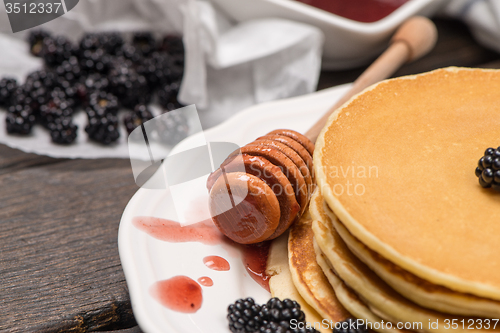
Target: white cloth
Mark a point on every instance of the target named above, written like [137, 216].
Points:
[482, 17]
[228, 66]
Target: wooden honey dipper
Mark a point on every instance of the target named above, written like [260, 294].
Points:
[275, 189]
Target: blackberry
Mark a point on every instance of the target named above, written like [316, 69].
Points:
[155, 69]
[243, 316]
[90, 41]
[130, 87]
[160, 69]
[103, 103]
[31, 93]
[140, 115]
[111, 42]
[172, 127]
[172, 44]
[69, 70]
[56, 50]
[167, 96]
[349, 326]
[97, 60]
[55, 110]
[63, 131]
[35, 40]
[144, 42]
[96, 82]
[20, 119]
[275, 316]
[488, 169]
[130, 52]
[46, 79]
[103, 129]
[7, 88]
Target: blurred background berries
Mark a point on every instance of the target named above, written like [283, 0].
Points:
[101, 74]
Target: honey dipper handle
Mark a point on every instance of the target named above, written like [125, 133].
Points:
[414, 38]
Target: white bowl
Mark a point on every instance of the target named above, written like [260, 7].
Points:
[348, 43]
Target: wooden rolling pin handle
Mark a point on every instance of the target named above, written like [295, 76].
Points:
[415, 38]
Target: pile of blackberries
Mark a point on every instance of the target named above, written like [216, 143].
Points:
[102, 74]
[276, 316]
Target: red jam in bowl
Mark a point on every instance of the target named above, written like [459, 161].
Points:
[359, 10]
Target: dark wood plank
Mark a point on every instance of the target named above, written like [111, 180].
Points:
[58, 242]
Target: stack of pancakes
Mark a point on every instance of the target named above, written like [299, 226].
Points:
[399, 227]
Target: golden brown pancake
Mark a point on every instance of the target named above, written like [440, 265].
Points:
[374, 291]
[307, 275]
[350, 300]
[281, 283]
[421, 207]
[420, 291]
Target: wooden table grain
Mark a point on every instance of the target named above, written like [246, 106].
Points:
[59, 264]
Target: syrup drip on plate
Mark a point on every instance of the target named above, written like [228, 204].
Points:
[216, 263]
[179, 293]
[205, 281]
[255, 261]
[183, 294]
[170, 231]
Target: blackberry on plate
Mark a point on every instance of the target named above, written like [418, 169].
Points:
[167, 96]
[243, 316]
[488, 169]
[63, 131]
[103, 103]
[140, 115]
[35, 40]
[130, 87]
[103, 129]
[144, 42]
[56, 50]
[7, 88]
[20, 119]
[275, 316]
[349, 326]
[172, 127]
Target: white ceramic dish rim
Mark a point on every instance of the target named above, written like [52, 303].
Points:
[132, 267]
[371, 28]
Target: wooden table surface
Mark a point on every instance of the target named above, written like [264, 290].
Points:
[59, 264]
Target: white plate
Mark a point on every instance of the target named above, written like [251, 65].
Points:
[146, 260]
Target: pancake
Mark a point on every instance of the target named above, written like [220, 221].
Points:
[308, 277]
[349, 299]
[280, 282]
[421, 207]
[374, 291]
[420, 291]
